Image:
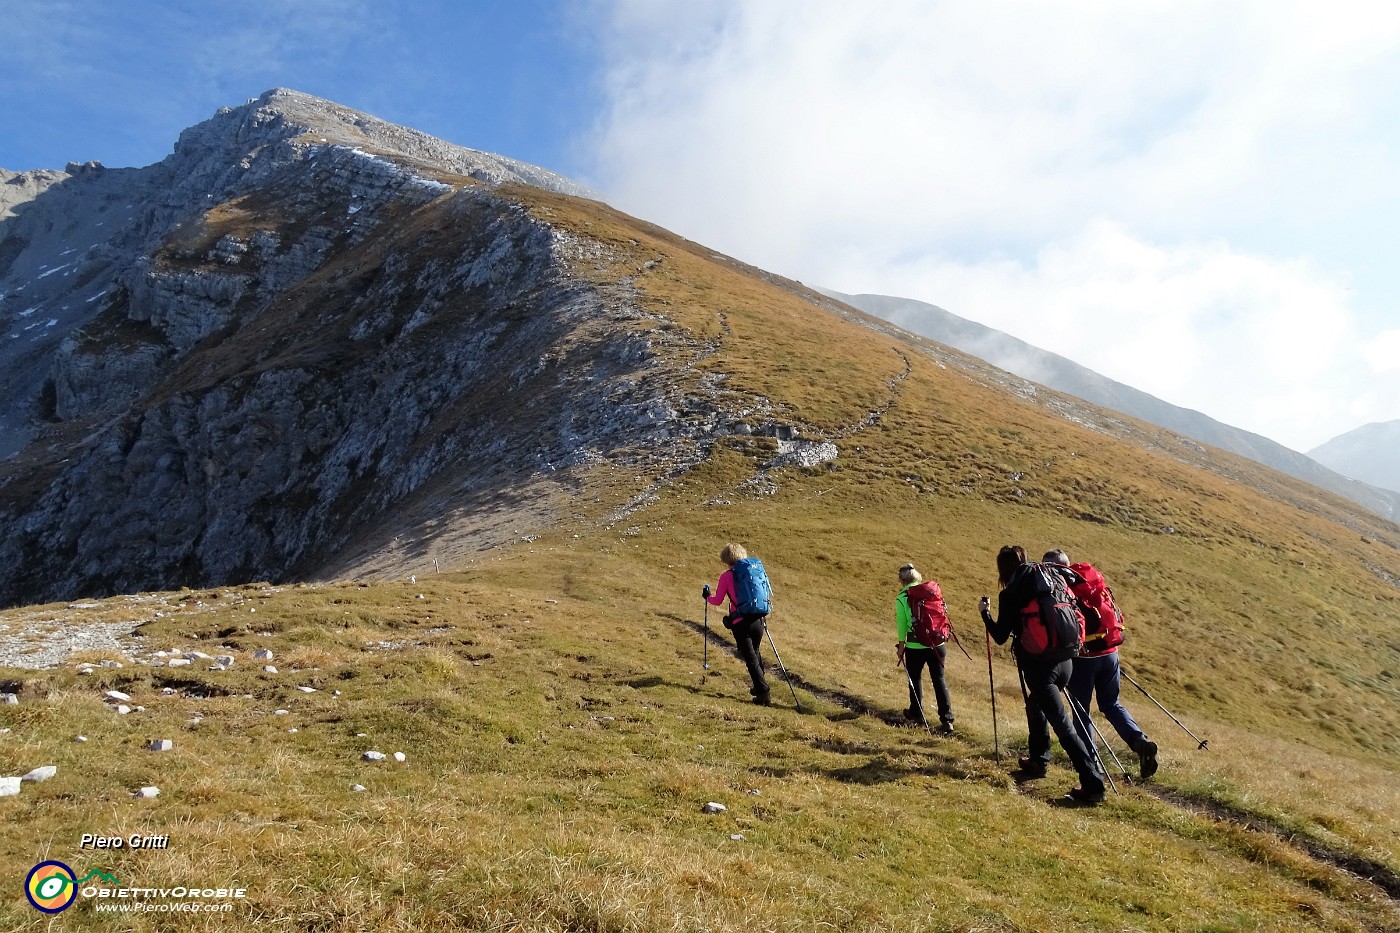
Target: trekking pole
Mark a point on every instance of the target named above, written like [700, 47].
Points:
[779, 657]
[1094, 730]
[954, 632]
[1201, 741]
[918, 703]
[706, 636]
[1093, 748]
[991, 681]
[1095, 736]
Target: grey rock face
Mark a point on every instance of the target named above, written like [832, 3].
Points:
[302, 331]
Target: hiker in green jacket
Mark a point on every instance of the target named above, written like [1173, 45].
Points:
[915, 656]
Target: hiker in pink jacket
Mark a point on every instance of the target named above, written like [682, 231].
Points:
[747, 629]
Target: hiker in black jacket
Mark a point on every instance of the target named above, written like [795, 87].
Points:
[1043, 676]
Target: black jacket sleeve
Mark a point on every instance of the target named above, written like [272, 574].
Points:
[1008, 618]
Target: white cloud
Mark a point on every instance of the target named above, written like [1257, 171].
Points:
[1264, 345]
[1382, 353]
[1201, 180]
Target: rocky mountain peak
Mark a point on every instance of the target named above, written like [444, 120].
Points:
[233, 361]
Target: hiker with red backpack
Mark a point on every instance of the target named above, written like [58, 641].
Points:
[1096, 669]
[921, 622]
[1037, 610]
[745, 584]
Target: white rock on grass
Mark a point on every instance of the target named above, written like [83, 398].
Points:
[373, 756]
[279, 712]
[400, 756]
[116, 695]
[224, 660]
[40, 774]
[269, 669]
[713, 807]
[307, 689]
[9, 786]
[80, 738]
[262, 654]
[178, 662]
[147, 792]
[122, 709]
[10, 699]
[357, 788]
[160, 745]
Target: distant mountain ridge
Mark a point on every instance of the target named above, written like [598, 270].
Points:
[1064, 375]
[1371, 454]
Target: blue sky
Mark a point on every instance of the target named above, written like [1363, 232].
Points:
[117, 82]
[1197, 197]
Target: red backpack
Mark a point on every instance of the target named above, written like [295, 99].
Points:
[930, 617]
[1103, 620]
[1052, 627]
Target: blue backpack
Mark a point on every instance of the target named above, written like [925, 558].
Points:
[753, 595]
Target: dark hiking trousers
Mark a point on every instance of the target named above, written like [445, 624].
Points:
[915, 660]
[1045, 710]
[748, 638]
[1099, 676]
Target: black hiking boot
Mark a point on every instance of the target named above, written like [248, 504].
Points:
[763, 699]
[1079, 797]
[1147, 758]
[945, 729]
[1029, 769]
[912, 715]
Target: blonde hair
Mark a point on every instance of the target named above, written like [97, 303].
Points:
[732, 553]
[909, 576]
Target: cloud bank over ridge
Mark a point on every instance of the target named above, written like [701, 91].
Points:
[1196, 199]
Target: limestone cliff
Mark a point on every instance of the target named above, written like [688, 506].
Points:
[298, 338]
